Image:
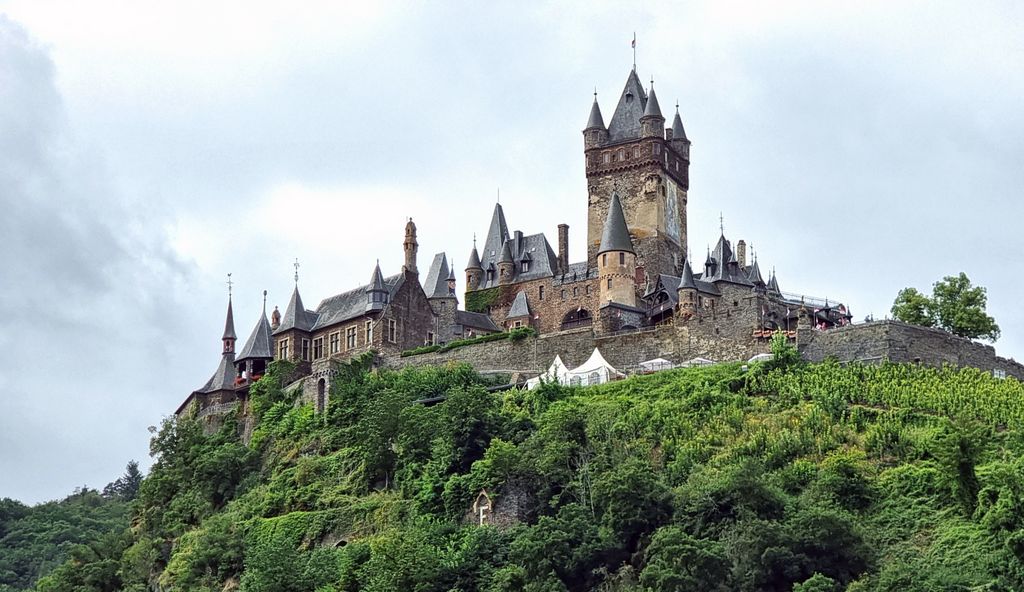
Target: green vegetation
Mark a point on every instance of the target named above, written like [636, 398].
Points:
[479, 300]
[955, 305]
[35, 540]
[785, 477]
[516, 334]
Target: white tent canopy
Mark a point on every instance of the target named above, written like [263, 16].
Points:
[761, 358]
[557, 372]
[596, 370]
[656, 364]
[697, 362]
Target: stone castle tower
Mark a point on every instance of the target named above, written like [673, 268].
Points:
[647, 166]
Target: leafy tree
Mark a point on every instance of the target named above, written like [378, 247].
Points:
[126, 487]
[955, 305]
[678, 562]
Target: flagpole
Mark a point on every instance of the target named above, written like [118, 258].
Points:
[634, 51]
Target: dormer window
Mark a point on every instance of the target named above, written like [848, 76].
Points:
[526, 266]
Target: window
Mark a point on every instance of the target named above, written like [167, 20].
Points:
[350, 338]
[587, 290]
[609, 282]
[282, 349]
[540, 293]
[622, 154]
[335, 342]
[563, 294]
[622, 258]
[430, 338]
[369, 332]
[607, 157]
[392, 331]
[318, 348]
[526, 266]
[636, 152]
[594, 377]
[657, 149]
[444, 305]
[575, 291]
[305, 350]
[604, 259]
[517, 324]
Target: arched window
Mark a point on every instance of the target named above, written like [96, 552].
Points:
[594, 377]
[577, 318]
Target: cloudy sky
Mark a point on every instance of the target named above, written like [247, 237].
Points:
[149, 148]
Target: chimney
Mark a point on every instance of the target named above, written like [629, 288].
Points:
[668, 133]
[563, 248]
[741, 252]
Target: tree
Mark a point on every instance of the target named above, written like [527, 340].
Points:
[126, 487]
[955, 305]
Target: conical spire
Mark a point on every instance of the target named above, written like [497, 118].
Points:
[595, 121]
[451, 273]
[506, 253]
[497, 234]
[296, 316]
[625, 122]
[229, 324]
[773, 284]
[678, 133]
[686, 282]
[376, 280]
[474, 259]
[258, 346]
[755, 274]
[376, 291]
[615, 235]
[652, 109]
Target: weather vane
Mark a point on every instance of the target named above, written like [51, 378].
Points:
[296, 265]
[230, 283]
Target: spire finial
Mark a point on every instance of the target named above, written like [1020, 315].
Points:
[499, 195]
[721, 224]
[296, 265]
[595, 94]
[230, 283]
[474, 240]
[652, 80]
[634, 51]
[677, 105]
[264, 302]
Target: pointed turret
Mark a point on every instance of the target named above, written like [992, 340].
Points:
[474, 271]
[652, 124]
[436, 285]
[506, 265]
[687, 282]
[497, 234]
[615, 234]
[376, 293]
[258, 346]
[296, 316]
[229, 336]
[451, 281]
[773, 284]
[687, 289]
[595, 122]
[678, 133]
[625, 122]
[755, 278]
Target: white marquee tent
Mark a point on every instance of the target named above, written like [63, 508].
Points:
[557, 372]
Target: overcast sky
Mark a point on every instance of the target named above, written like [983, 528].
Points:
[149, 148]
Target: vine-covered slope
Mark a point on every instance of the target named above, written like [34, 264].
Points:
[781, 476]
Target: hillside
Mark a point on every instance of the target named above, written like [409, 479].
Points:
[795, 477]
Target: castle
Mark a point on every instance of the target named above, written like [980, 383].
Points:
[637, 293]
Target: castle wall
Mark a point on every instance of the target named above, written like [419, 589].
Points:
[553, 307]
[901, 342]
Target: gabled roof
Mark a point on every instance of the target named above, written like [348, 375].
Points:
[520, 307]
[223, 378]
[652, 108]
[258, 346]
[625, 122]
[615, 234]
[296, 316]
[497, 234]
[595, 121]
[352, 304]
[475, 320]
[436, 284]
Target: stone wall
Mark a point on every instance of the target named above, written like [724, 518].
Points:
[900, 342]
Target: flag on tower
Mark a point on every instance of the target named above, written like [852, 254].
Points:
[634, 41]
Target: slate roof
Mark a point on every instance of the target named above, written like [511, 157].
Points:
[506, 253]
[678, 133]
[773, 284]
[686, 281]
[520, 307]
[229, 323]
[625, 122]
[723, 266]
[497, 234]
[436, 284]
[223, 378]
[575, 272]
[543, 261]
[615, 234]
[671, 285]
[754, 275]
[351, 304]
[296, 316]
[474, 259]
[258, 346]
[475, 320]
[595, 120]
[652, 108]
